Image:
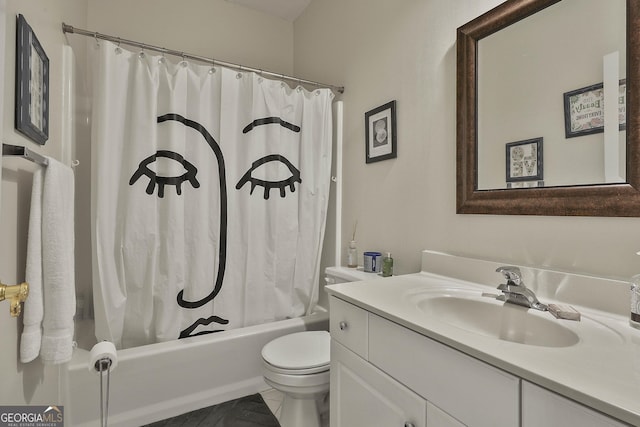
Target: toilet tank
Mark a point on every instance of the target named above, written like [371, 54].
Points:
[341, 274]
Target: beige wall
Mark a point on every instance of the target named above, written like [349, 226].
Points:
[31, 383]
[210, 28]
[405, 50]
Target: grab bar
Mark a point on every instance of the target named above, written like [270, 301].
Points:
[24, 152]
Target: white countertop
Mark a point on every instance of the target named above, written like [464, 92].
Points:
[601, 371]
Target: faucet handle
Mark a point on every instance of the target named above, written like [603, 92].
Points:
[511, 273]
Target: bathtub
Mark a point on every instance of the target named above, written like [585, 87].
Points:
[159, 381]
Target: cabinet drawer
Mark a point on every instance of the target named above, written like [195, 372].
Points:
[444, 376]
[348, 325]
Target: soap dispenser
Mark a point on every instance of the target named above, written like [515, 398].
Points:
[387, 265]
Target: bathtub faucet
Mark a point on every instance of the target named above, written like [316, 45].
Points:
[515, 291]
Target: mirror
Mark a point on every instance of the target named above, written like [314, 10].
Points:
[544, 133]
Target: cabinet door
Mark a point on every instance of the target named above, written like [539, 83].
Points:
[362, 395]
[542, 407]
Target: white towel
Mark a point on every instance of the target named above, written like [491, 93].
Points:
[33, 306]
[55, 303]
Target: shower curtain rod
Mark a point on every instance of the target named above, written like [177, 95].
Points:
[70, 29]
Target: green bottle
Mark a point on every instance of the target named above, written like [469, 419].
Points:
[387, 265]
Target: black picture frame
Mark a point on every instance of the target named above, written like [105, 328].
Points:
[524, 160]
[590, 119]
[381, 133]
[32, 84]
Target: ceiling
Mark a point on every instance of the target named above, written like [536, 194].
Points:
[285, 9]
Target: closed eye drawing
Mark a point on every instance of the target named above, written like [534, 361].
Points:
[281, 184]
[174, 161]
[273, 171]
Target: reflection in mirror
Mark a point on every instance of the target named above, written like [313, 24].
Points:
[523, 72]
[546, 95]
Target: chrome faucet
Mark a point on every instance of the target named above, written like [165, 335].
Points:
[515, 291]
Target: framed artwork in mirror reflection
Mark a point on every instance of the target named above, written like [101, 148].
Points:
[524, 161]
[380, 133]
[32, 84]
[584, 110]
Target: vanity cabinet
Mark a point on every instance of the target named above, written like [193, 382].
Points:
[541, 407]
[383, 374]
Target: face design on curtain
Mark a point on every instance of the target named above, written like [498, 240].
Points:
[189, 176]
[266, 160]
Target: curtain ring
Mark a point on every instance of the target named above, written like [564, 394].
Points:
[162, 59]
[239, 75]
[212, 70]
[141, 55]
[95, 37]
[118, 49]
[183, 63]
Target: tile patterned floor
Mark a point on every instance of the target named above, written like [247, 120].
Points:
[251, 415]
[273, 399]
[249, 411]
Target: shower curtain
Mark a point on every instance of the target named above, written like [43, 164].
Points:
[210, 191]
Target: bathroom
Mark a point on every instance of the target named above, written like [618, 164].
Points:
[380, 51]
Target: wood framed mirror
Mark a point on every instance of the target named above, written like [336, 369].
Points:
[620, 198]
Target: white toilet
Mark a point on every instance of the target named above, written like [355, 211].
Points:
[297, 364]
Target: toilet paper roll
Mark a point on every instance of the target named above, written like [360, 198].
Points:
[103, 357]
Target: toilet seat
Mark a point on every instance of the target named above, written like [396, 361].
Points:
[307, 371]
[301, 353]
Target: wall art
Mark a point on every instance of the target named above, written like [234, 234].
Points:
[380, 129]
[32, 84]
[584, 110]
[524, 160]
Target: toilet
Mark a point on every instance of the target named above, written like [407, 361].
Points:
[297, 364]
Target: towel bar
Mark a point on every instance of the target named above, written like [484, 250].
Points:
[16, 294]
[24, 152]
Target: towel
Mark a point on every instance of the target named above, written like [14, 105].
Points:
[50, 309]
[33, 306]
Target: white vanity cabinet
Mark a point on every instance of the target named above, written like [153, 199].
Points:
[541, 407]
[383, 374]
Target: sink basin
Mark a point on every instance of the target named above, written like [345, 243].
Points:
[491, 318]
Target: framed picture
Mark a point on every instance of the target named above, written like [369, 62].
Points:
[32, 84]
[584, 110]
[524, 160]
[380, 129]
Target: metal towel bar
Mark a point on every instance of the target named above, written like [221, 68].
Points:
[24, 152]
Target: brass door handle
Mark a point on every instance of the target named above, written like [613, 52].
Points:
[16, 294]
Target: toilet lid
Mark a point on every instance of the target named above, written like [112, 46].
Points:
[301, 350]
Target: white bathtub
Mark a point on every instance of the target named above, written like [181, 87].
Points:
[159, 381]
